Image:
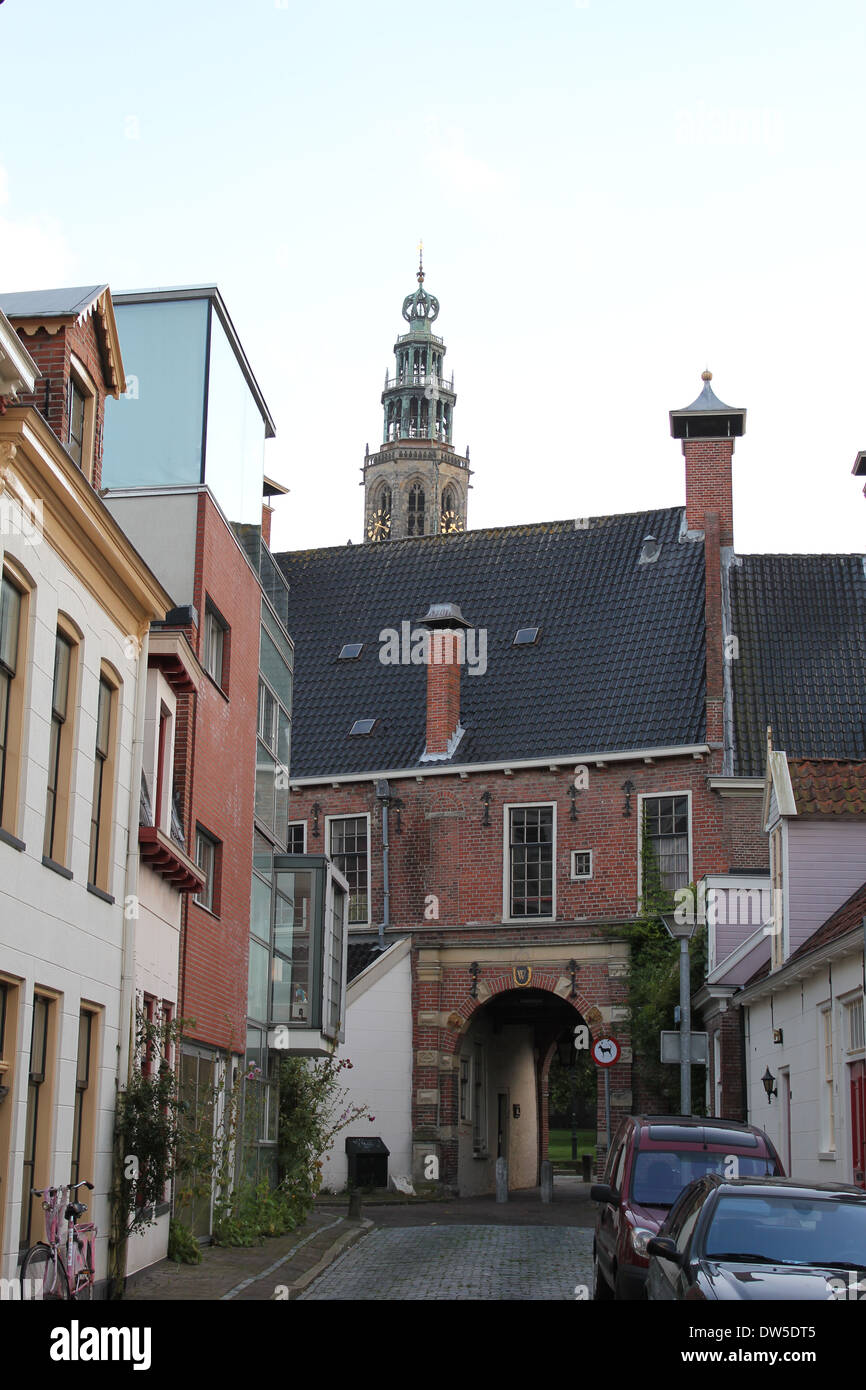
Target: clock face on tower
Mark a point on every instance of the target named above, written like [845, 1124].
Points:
[449, 523]
[379, 525]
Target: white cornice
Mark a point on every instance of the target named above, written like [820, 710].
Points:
[420, 770]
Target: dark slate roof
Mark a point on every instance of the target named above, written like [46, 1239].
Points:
[801, 625]
[360, 955]
[48, 304]
[619, 664]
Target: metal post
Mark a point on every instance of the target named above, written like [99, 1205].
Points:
[685, 1030]
[607, 1110]
[573, 1106]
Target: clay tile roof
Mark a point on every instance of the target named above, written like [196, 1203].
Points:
[827, 786]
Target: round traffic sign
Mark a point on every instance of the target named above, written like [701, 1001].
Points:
[605, 1051]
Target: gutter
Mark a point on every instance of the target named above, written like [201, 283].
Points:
[552, 763]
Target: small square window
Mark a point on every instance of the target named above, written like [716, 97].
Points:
[581, 864]
[525, 637]
[351, 651]
[297, 840]
[363, 726]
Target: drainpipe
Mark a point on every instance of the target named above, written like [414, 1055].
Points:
[117, 1251]
[383, 794]
[130, 919]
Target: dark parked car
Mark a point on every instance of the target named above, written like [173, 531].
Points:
[754, 1238]
[651, 1160]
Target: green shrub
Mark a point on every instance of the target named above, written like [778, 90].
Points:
[182, 1245]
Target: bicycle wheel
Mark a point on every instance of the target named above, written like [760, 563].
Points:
[43, 1276]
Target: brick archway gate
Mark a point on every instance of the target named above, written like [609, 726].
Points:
[486, 1022]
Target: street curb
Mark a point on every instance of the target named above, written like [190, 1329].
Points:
[342, 1243]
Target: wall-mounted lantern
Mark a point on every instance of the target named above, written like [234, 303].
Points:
[628, 788]
[573, 968]
[474, 972]
[485, 801]
[768, 1081]
[317, 811]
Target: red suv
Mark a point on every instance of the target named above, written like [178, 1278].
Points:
[651, 1160]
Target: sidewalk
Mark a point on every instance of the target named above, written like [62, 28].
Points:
[280, 1268]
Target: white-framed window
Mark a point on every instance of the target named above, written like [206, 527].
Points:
[825, 1079]
[215, 641]
[855, 1033]
[81, 416]
[581, 865]
[529, 861]
[206, 856]
[665, 824]
[348, 841]
[297, 839]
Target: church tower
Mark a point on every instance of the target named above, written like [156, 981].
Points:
[416, 485]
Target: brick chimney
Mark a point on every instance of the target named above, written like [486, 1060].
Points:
[445, 650]
[708, 429]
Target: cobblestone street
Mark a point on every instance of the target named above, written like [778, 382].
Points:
[462, 1262]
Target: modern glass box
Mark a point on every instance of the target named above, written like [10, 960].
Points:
[310, 919]
[193, 412]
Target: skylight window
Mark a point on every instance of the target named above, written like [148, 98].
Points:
[351, 651]
[525, 637]
[362, 726]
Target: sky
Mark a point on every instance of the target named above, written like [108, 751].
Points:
[612, 196]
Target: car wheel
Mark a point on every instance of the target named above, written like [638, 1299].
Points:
[601, 1289]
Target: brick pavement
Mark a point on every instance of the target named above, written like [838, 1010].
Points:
[458, 1262]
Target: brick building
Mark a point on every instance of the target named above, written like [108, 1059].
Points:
[609, 694]
[492, 806]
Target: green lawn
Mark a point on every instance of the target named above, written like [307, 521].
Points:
[560, 1143]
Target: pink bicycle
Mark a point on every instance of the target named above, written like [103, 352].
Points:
[53, 1269]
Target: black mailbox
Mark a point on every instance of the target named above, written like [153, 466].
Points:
[368, 1162]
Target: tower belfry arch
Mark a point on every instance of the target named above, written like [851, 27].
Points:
[416, 484]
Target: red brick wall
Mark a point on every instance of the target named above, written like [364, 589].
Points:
[728, 1024]
[216, 946]
[746, 844]
[52, 353]
[443, 847]
[708, 484]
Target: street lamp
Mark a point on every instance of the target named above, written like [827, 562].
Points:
[683, 933]
[768, 1081]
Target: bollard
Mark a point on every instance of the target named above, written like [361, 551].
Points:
[586, 1161]
[546, 1180]
[354, 1205]
[502, 1179]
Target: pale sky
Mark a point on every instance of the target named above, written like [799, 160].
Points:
[612, 195]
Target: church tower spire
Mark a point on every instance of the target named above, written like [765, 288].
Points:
[416, 484]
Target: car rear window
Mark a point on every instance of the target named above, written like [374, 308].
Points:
[660, 1175]
[700, 1134]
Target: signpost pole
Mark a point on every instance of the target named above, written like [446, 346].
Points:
[606, 1110]
[685, 1030]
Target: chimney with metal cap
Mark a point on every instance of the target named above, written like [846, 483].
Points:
[445, 649]
[708, 429]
